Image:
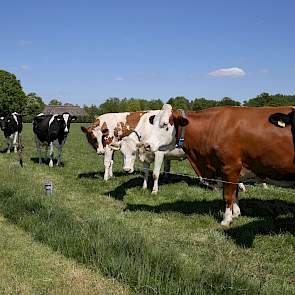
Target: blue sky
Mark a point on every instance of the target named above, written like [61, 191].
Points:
[86, 51]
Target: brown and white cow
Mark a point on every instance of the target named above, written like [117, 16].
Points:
[107, 129]
[220, 142]
[130, 147]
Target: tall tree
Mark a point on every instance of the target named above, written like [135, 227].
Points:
[12, 97]
[34, 106]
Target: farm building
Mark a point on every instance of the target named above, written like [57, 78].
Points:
[57, 109]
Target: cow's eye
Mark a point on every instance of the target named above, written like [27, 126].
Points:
[8, 120]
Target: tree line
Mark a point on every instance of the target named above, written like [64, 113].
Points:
[13, 98]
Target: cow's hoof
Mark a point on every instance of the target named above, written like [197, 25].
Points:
[225, 224]
[236, 211]
[154, 192]
[242, 187]
[51, 164]
[8, 151]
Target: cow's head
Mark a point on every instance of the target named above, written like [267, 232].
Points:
[7, 121]
[66, 119]
[128, 148]
[94, 137]
[163, 133]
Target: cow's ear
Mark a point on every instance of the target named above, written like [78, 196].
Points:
[280, 120]
[105, 131]
[85, 130]
[73, 118]
[178, 118]
[151, 119]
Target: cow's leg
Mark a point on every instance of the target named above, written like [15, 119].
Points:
[14, 143]
[9, 143]
[111, 166]
[230, 194]
[167, 166]
[46, 153]
[59, 150]
[107, 162]
[38, 147]
[51, 154]
[264, 185]
[159, 157]
[146, 167]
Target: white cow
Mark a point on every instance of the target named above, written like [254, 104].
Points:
[107, 129]
[132, 145]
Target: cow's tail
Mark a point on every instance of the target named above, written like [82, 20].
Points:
[20, 148]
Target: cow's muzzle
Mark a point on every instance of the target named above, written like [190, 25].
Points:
[128, 169]
[147, 147]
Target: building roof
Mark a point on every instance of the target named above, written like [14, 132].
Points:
[73, 110]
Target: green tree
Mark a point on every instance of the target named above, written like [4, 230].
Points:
[55, 102]
[12, 97]
[155, 104]
[92, 112]
[111, 105]
[34, 106]
[265, 99]
[180, 102]
[203, 103]
[227, 101]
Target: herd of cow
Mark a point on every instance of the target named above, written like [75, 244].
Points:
[221, 142]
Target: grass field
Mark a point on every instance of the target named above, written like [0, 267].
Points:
[96, 237]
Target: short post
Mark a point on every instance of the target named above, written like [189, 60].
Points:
[48, 186]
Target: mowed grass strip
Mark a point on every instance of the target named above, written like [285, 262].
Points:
[168, 244]
[28, 267]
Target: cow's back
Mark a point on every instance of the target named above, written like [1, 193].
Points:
[117, 125]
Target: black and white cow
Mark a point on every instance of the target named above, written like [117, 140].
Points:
[49, 130]
[12, 125]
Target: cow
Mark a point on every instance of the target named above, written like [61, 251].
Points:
[12, 125]
[130, 146]
[220, 142]
[49, 130]
[107, 129]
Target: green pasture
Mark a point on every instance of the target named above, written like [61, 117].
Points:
[96, 237]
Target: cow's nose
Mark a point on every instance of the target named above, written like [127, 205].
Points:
[127, 169]
[147, 147]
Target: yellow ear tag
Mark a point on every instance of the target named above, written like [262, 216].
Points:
[281, 123]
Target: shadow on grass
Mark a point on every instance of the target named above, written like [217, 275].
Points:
[120, 191]
[100, 174]
[269, 212]
[46, 161]
[4, 151]
[244, 235]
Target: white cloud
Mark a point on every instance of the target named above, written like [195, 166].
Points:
[24, 67]
[228, 72]
[119, 79]
[24, 43]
